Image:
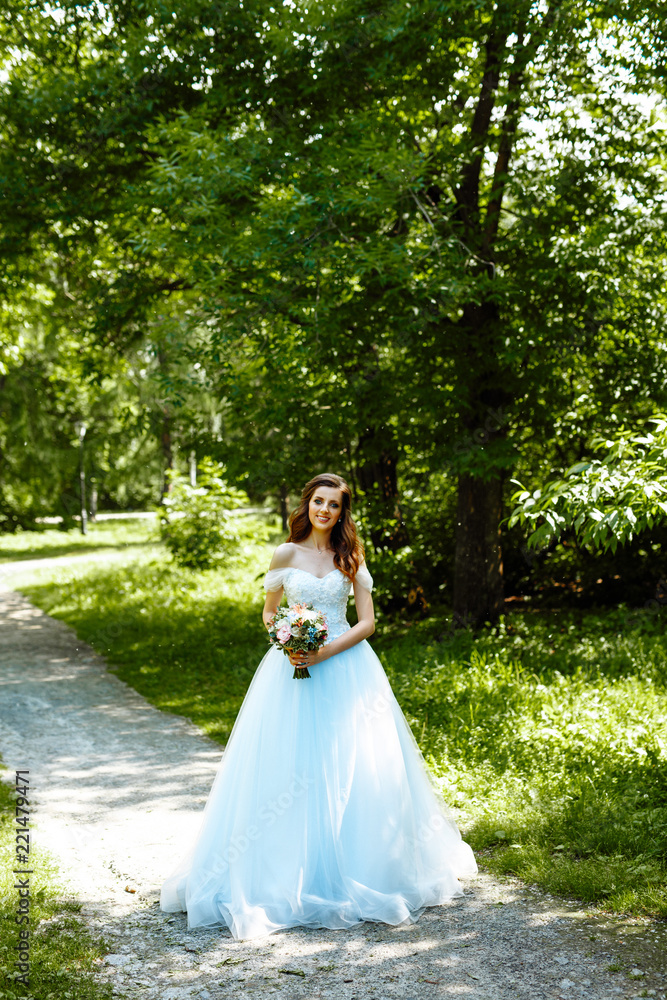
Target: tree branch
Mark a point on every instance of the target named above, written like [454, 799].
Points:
[508, 133]
[467, 195]
[511, 120]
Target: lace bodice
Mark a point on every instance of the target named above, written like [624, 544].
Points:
[329, 594]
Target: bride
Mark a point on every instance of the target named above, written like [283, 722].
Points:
[323, 812]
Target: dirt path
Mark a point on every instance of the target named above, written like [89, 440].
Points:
[119, 788]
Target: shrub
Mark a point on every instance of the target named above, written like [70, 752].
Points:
[196, 522]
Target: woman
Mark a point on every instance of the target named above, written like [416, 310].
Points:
[322, 812]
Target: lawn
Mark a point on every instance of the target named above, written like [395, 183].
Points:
[548, 733]
[114, 533]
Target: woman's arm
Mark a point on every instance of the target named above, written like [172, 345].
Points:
[364, 627]
[273, 599]
[279, 560]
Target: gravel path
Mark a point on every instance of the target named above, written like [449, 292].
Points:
[119, 788]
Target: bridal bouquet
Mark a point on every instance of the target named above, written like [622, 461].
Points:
[302, 628]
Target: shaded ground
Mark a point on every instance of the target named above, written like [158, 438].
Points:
[119, 788]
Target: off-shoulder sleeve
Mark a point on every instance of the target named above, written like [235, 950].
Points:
[364, 578]
[273, 579]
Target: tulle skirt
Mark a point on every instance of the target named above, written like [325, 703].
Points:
[322, 812]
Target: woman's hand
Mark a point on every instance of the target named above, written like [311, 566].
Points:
[301, 659]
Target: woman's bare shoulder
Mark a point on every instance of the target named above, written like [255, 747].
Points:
[283, 556]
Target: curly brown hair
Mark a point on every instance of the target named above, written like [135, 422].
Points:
[348, 550]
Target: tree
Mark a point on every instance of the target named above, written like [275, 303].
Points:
[425, 233]
[197, 522]
[360, 213]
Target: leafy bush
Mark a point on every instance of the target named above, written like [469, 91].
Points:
[196, 522]
[606, 501]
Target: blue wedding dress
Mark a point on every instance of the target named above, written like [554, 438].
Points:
[322, 812]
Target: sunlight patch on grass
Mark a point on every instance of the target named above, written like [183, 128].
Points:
[101, 535]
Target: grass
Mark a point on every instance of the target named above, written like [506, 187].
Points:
[547, 733]
[62, 952]
[112, 534]
[550, 731]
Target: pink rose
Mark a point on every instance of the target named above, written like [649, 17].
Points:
[283, 634]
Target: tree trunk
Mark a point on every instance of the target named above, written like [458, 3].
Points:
[378, 479]
[166, 440]
[478, 565]
[284, 510]
[167, 450]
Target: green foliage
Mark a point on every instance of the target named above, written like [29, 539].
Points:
[46, 389]
[360, 270]
[547, 732]
[362, 239]
[196, 522]
[63, 954]
[419, 572]
[605, 501]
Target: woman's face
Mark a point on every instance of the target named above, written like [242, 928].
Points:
[325, 507]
